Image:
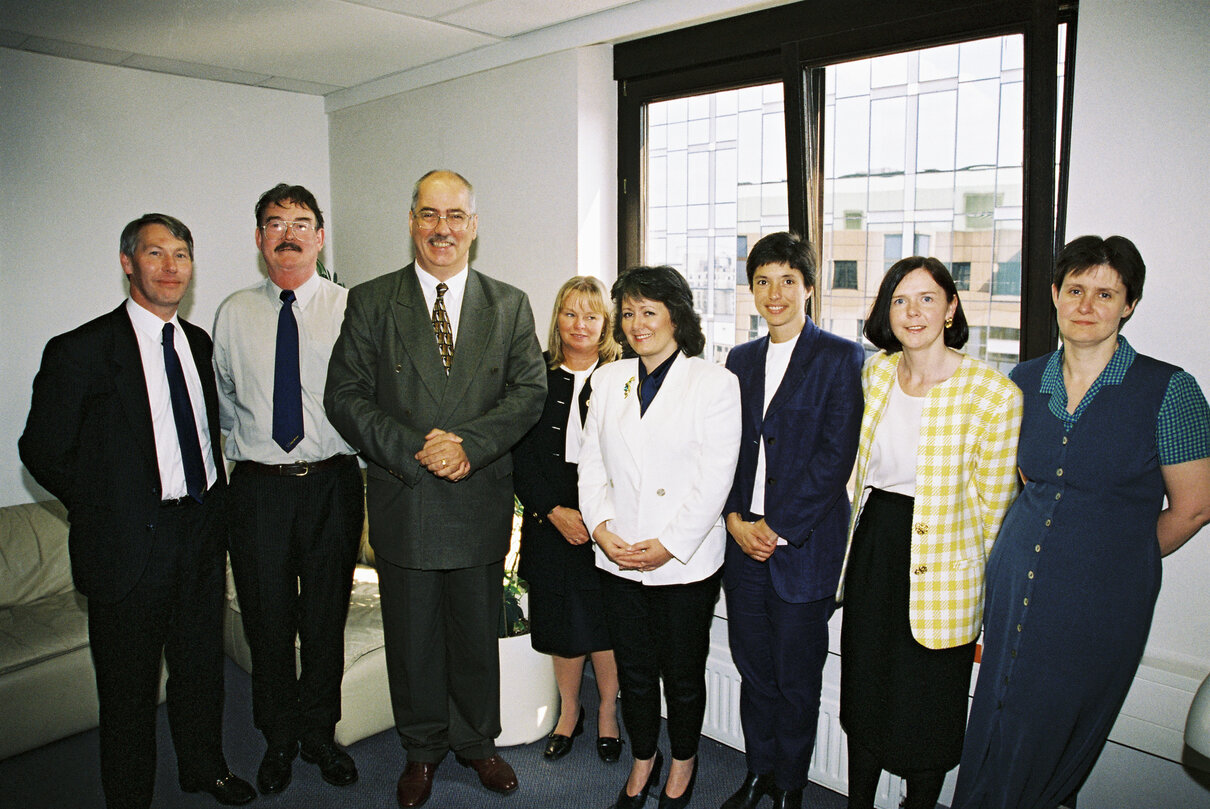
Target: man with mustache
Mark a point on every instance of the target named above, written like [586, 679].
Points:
[296, 491]
[436, 375]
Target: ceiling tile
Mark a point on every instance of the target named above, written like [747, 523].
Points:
[506, 18]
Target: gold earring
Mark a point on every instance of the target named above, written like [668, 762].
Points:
[949, 321]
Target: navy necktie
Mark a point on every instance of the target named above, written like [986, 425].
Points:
[287, 389]
[182, 414]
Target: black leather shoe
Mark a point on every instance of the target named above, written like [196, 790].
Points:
[750, 792]
[636, 801]
[682, 800]
[228, 789]
[275, 769]
[609, 748]
[335, 765]
[558, 745]
[786, 798]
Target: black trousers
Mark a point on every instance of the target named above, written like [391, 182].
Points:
[442, 648]
[661, 634]
[294, 544]
[174, 611]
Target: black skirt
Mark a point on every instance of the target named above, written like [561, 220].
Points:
[906, 704]
[566, 613]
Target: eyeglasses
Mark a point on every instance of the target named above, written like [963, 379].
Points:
[427, 219]
[302, 228]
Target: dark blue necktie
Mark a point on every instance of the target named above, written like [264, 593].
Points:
[287, 389]
[182, 414]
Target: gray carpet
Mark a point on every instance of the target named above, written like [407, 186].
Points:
[65, 774]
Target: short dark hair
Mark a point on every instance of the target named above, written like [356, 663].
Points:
[878, 325]
[1082, 254]
[282, 194]
[783, 248]
[667, 286]
[129, 240]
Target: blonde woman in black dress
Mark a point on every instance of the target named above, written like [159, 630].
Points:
[566, 616]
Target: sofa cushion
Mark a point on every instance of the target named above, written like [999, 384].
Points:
[34, 561]
[34, 633]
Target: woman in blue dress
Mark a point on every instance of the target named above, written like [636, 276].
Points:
[1073, 577]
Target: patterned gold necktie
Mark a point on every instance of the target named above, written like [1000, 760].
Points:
[441, 328]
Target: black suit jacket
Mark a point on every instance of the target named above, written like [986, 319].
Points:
[387, 388]
[89, 441]
[543, 479]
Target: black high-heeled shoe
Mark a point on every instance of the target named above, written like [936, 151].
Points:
[682, 800]
[558, 745]
[609, 748]
[636, 801]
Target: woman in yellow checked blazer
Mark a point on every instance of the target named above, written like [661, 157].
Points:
[936, 472]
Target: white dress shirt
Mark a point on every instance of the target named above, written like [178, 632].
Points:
[452, 298]
[777, 360]
[149, 330]
[245, 341]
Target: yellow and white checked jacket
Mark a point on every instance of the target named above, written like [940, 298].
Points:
[966, 478]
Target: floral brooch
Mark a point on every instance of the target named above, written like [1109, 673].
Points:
[626, 387]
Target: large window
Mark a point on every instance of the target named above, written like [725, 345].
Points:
[893, 129]
[715, 183]
[926, 147]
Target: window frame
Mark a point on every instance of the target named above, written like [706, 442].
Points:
[788, 44]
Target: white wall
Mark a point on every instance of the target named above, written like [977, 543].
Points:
[1140, 159]
[537, 139]
[84, 149]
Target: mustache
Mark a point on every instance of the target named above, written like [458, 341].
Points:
[287, 246]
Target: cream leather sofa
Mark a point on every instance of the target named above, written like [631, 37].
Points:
[365, 700]
[47, 686]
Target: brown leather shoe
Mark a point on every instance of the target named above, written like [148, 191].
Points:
[494, 772]
[415, 784]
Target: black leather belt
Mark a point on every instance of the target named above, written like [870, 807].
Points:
[177, 502]
[295, 470]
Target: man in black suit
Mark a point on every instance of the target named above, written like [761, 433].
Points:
[436, 375]
[123, 429]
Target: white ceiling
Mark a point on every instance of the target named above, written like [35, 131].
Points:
[347, 50]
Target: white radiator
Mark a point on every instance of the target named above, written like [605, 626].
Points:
[829, 764]
[1152, 721]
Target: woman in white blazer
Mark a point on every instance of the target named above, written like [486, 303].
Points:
[660, 446]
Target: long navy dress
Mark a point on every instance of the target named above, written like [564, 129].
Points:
[1071, 585]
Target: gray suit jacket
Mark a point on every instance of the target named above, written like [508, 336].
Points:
[387, 388]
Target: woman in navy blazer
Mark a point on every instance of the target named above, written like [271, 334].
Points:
[787, 516]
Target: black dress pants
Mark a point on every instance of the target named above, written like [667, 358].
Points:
[174, 611]
[294, 543]
[661, 633]
[441, 629]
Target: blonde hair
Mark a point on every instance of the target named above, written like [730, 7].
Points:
[592, 292]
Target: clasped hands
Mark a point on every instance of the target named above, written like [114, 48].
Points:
[756, 539]
[442, 454]
[644, 555]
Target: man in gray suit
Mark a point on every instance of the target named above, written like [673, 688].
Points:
[436, 375]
